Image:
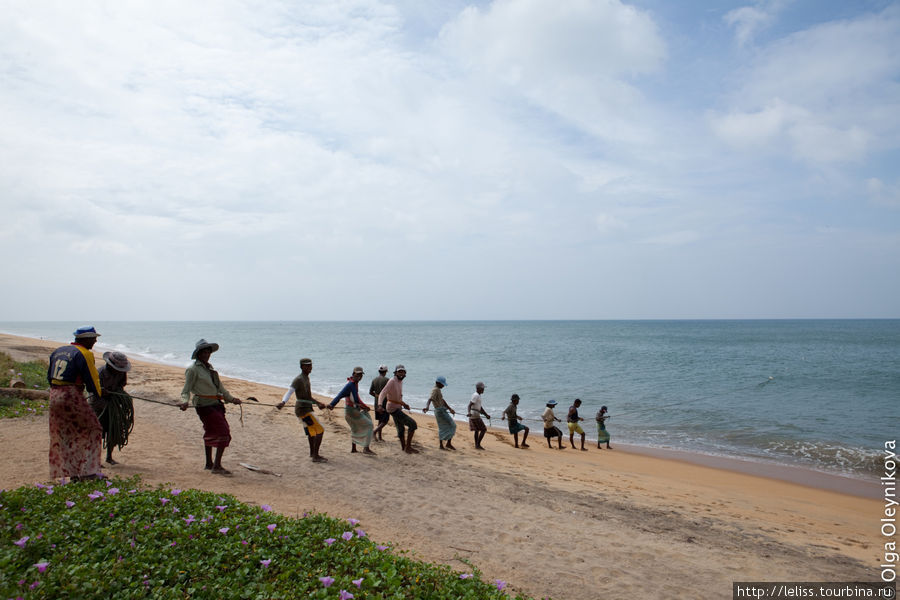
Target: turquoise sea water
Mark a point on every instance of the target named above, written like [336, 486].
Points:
[817, 393]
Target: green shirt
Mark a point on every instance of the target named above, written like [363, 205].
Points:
[200, 380]
[303, 390]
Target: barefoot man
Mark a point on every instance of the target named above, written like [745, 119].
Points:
[514, 426]
[572, 420]
[303, 408]
[392, 396]
[476, 424]
[381, 416]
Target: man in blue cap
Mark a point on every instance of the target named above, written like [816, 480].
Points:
[75, 432]
[442, 411]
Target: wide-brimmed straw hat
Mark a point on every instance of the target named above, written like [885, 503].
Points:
[203, 345]
[117, 361]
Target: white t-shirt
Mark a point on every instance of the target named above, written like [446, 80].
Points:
[548, 417]
[475, 411]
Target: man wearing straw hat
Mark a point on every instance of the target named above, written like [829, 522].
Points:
[201, 380]
[303, 408]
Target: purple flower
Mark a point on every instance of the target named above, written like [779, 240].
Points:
[358, 582]
[266, 507]
[466, 576]
[190, 519]
[173, 544]
[265, 562]
[34, 585]
[69, 504]
[360, 533]
[326, 581]
[108, 483]
[112, 491]
[347, 535]
[176, 492]
[382, 548]
[132, 491]
[42, 566]
[49, 490]
[500, 584]
[330, 541]
[21, 542]
[95, 494]
[271, 527]
[353, 522]
[224, 530]
[345, 595]
[244, 542]
[163, 500]
[222, 507]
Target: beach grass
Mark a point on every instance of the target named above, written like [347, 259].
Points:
[34, 374]
[117, 538]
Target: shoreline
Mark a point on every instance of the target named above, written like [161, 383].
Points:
[599, 524]
[855, 485]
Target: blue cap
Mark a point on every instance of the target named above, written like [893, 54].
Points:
[551, 403]
[441, 380]
[86, 332]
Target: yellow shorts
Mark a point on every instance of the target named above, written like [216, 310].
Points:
[575, 428]
[311, 425]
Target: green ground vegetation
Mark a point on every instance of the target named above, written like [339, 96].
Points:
[119, 539]
[34, 373]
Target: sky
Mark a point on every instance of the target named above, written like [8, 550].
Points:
[438, 159]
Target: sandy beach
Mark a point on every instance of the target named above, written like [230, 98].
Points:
[561, 523]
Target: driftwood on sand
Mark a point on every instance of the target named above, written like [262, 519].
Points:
[24, 393]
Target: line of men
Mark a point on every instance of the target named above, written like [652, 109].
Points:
[387, 395]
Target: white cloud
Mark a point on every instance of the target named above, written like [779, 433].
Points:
[275, 148]
[748, 21]
[794, 129]
[575, 59]
[827, 94]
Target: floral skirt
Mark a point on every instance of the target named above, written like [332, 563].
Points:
[75, 434]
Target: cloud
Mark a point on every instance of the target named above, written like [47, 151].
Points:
[826, 95]
[748, 21]
[576, 60]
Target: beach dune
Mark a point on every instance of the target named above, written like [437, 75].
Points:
[559, 523]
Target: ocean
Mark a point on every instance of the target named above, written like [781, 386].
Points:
[822, 394]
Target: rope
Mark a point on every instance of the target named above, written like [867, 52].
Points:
[629, 412]
[119, 413]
